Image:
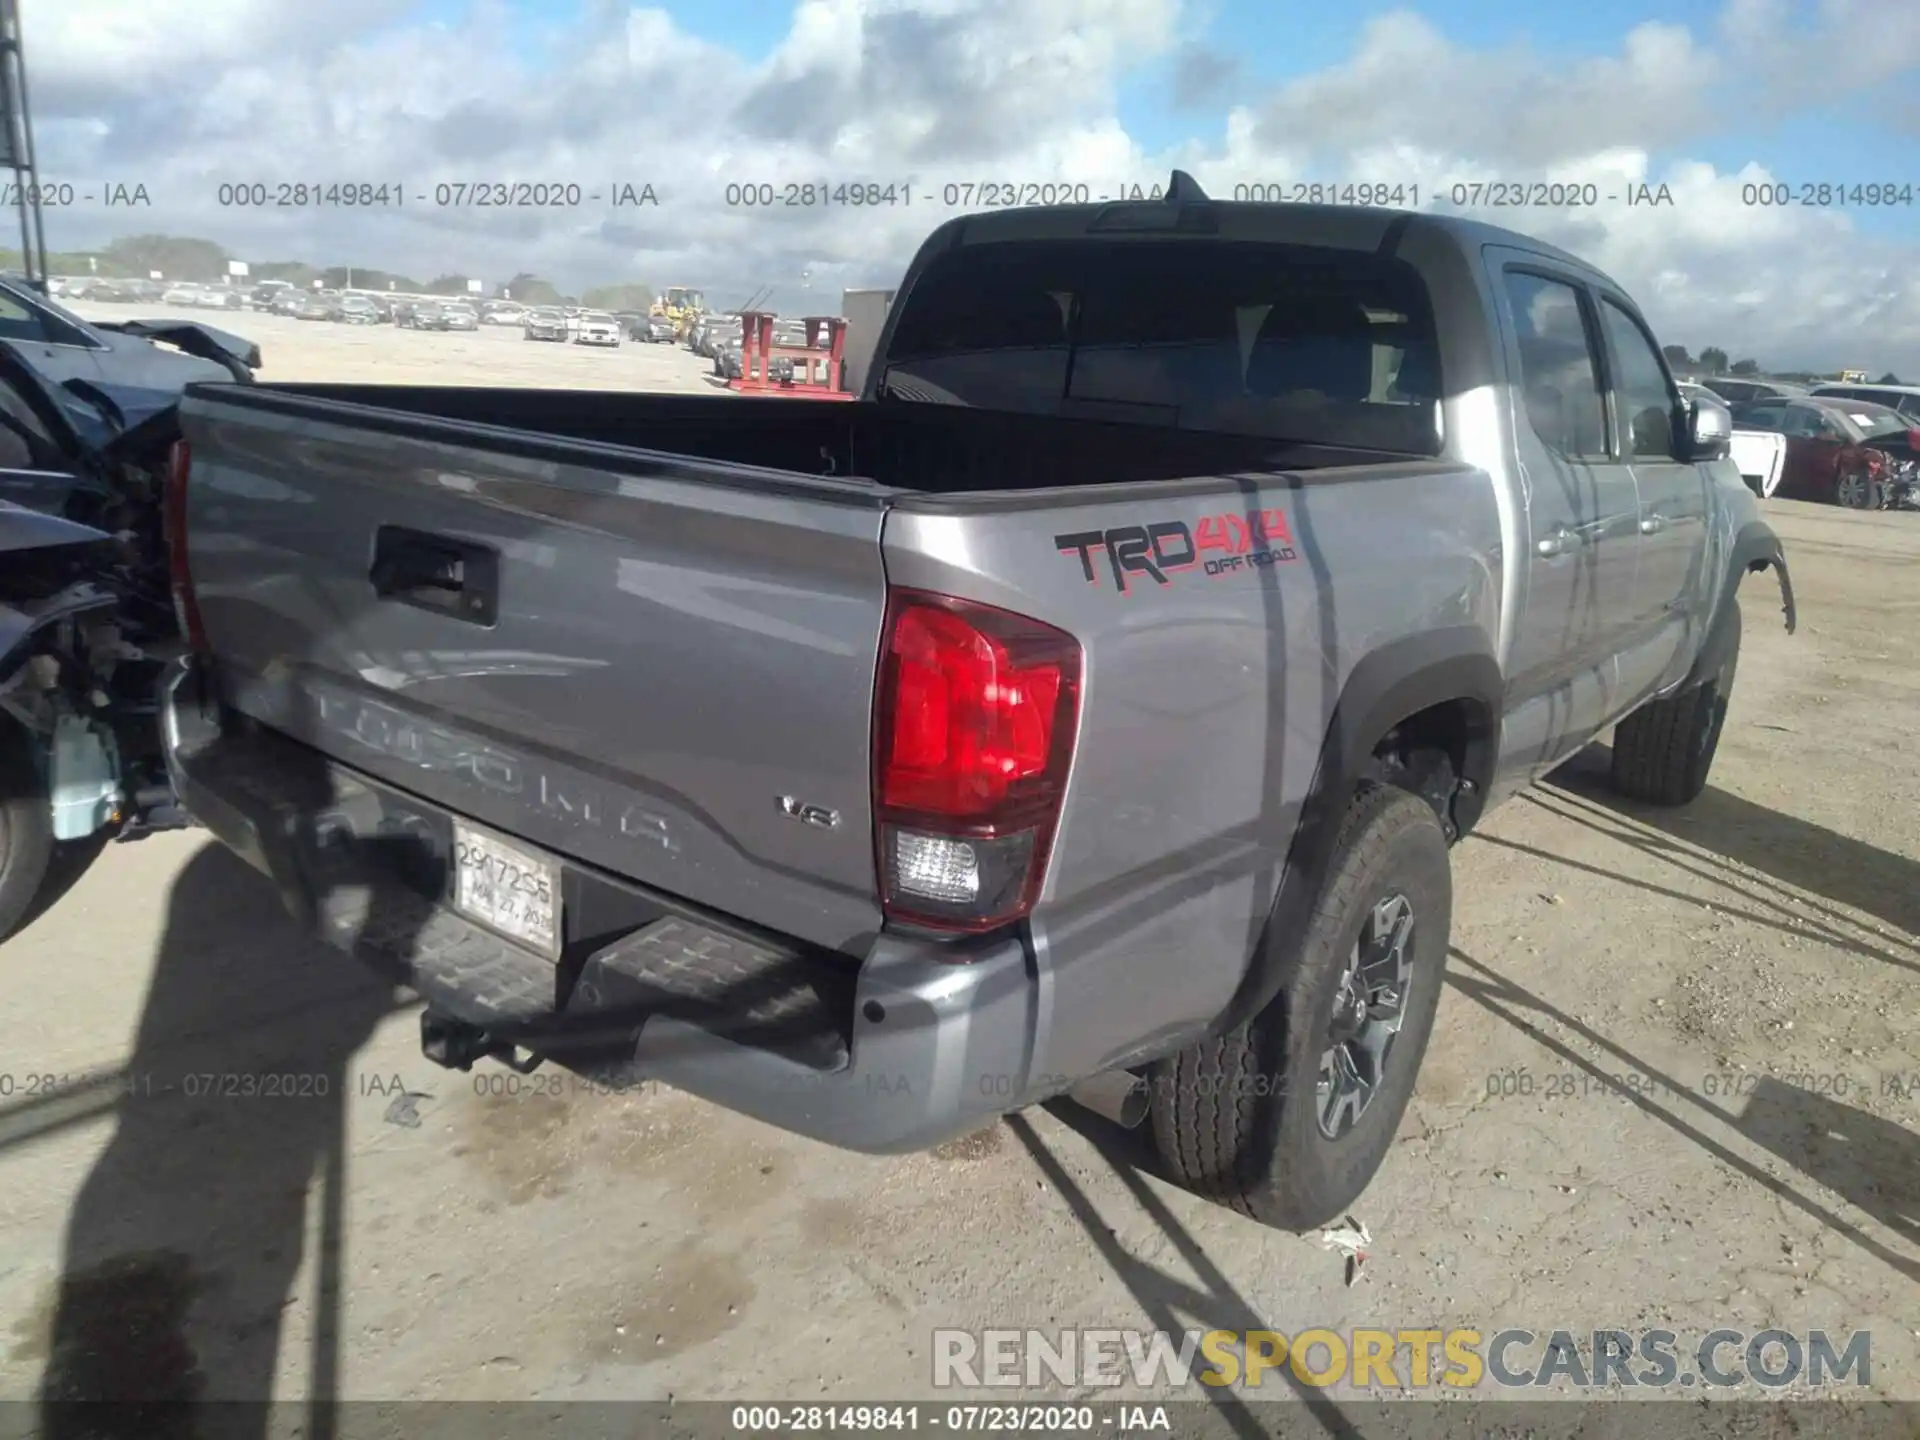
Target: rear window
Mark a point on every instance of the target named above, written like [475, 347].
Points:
[1298, 343]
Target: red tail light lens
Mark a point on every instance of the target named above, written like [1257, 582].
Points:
[975, 714]
[186, 608]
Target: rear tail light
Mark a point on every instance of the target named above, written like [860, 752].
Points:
[974, 718]
[186, 608]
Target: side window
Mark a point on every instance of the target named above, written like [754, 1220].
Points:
[17, 322]
[1909, 405]
[1559, 378]
[1641, 397]
[1762, 416]
[1802, 421]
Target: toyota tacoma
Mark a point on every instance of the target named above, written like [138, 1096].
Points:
[1087, 709]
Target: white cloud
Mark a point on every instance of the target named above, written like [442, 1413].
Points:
[955, 91]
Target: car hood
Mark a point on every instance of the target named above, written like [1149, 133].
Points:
[94, 424]
[132, 407]
[25, 529]
[206, 342]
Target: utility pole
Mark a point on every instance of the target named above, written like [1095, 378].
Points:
[16, 146]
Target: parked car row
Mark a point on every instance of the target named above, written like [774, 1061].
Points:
[443, 315]
[107, 292]
[1838, 443]
[1838, 451]
[1736, 391]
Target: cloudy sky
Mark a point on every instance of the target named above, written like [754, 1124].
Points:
[1712, 100]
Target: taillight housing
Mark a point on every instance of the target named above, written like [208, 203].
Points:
[975, 713]
[186, 609]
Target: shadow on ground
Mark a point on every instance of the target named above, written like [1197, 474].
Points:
[185, 1239]
[1795, 852]
[1870, 1163]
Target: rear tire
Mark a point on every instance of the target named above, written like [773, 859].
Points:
[1255, 1118]
[1663, 752]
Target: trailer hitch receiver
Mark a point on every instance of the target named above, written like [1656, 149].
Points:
[457, 1044]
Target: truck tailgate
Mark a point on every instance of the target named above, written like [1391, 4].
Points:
[638, 659]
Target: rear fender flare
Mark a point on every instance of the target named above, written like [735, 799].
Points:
[1755, 547]
[1389, 685]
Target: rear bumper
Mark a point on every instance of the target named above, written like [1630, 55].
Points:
[894, 1052]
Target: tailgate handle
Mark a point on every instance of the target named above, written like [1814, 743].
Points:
[456, 578]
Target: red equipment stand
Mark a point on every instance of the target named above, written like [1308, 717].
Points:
[817, 365]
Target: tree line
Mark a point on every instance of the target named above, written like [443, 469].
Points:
[1713, 361]
[188, 260]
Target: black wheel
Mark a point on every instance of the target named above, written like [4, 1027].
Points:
[1287, 1118]
[1856, 491]
[26, 835]
[1663, 752]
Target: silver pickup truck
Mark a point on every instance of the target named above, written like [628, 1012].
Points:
[1086, 709]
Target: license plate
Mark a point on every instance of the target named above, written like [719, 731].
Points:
[506, 888]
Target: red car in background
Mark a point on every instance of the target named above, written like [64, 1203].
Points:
[1839, 452]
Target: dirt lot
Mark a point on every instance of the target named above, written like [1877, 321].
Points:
[1675, 1082]
[491, 355]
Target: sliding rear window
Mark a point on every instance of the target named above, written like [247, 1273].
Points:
[1294, 342]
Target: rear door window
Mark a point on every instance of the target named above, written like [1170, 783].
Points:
[1288, 341]
[1559, 366]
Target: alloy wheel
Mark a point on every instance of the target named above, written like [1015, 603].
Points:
[1368, 1011]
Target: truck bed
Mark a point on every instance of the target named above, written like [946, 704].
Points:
[909, 447]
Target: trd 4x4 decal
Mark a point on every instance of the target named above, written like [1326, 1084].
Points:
[1219, 545]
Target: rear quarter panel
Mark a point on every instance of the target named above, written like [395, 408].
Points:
[1205, 701]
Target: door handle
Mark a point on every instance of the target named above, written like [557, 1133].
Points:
[1653, 524]
[451, 577]
[1559, 541]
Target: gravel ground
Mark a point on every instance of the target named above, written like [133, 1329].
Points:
[492, 355]
[1674, 1083]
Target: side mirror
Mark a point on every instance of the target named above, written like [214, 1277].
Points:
[1709, 431]
[1913, 441]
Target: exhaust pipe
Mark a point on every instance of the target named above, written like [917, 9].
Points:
[1117, 1095]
